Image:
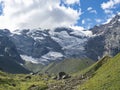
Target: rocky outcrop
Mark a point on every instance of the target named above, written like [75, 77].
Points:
[7, 47]
[10, 60]
[45, 46]
[106, 39]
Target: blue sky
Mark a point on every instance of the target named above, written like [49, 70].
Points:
[99, 15]
[54, 13]
[96, 15]
[1, 8]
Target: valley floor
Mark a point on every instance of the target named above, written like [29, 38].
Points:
[103, 75]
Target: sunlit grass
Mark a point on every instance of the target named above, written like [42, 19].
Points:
[107, 77]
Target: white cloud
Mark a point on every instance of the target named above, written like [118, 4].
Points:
[108, 11]
[71, 1]
[77, 28]
[107, 6]
[37, 13]
[118, 13]
[83, 21]
[98, 20]
[91, 10]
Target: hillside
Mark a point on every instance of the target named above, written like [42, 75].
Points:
[107, 77]
[22, 82]
[68, 66]
[10, 60]
[105, 40]
[103, 75]
[7, 64]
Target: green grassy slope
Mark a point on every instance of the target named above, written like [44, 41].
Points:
[68, 66]
[20, 82]
[102, 75]
[105, 75]
[33, 67]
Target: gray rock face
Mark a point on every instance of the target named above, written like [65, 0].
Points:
[34, 43]
[7, 47]
[106, 39]
[10, 60]
[44, 46]
[112, 37]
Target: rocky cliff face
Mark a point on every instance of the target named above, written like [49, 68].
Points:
[7, 47]
[10, 60]
[105, 40]
[44, 46]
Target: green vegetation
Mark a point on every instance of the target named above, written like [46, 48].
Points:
[33, 67]
[40, 81]
[102, 75]
[22, 82]
[68, 66]
[105, 75]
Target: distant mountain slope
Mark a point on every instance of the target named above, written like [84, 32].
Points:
[45, 46]
[68, 66]
[105, 39]
[10, 59]
[7, 47]
[7, 64]
[105, 75]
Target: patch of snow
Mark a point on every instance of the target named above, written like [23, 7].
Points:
[45, 34]
[34, 60]
[1, 55]
[29, 58]
[16, 32]
[118, 13]
[119, 20]
[108, 20]
[39, 38]
[52, 55]
[82, 33]
[87, 33]
[21, 64]
[98, 34]
[77, 33]
[67, 41]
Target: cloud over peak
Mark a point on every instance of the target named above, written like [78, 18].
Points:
[37, 13]
[71, 1]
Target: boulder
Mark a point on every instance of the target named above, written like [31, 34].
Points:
[63, 75]
[28, 77]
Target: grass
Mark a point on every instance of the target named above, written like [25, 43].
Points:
[103, 75]
[33, 67]
[106, 75]
[19, 82]
[40, 82]
[68, 66]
